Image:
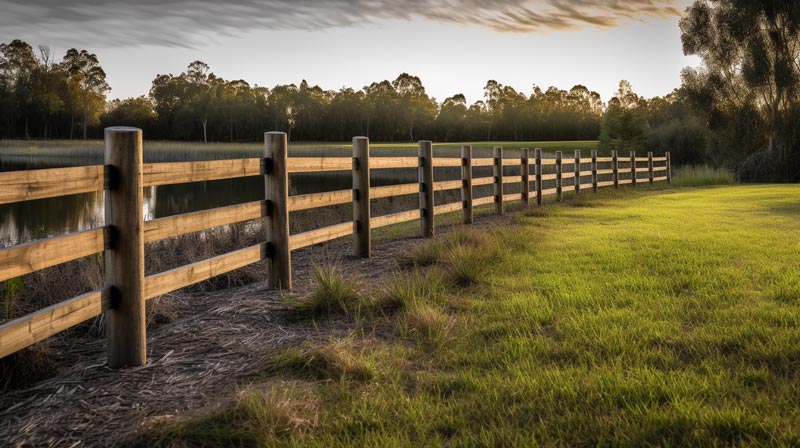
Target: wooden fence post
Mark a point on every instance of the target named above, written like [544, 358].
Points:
[537, 153]
[426, 200]
[577, 166]
[669, 168]
[615, 168]
[498, 180]
[124, 261]
[526, 176]
[361, 214]
[466, 183]
[650, 166]
[559, 183]
[594, 171]
[276, 186]
[633, 168]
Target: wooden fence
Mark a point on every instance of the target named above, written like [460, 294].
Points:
[122, 239]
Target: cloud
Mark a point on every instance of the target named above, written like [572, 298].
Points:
[190, 22]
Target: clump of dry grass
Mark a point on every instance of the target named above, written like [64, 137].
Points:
[334, 360]
[427, 325]
[333, 293]
[261, 418]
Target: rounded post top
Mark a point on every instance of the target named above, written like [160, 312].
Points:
[360, 139]
[274, 133]
[122, 129]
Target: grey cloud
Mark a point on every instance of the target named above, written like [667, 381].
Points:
[190, 22]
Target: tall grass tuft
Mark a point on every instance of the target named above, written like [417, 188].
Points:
[700, 176]
[427, 325]
[404, 292]
[337, 359]
[256, 418]
[333, 293]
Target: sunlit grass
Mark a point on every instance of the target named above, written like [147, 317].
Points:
[627, 318]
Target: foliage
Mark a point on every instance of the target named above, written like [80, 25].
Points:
[623, 125]
[749, 87]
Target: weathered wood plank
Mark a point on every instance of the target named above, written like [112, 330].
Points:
[659, 159]
[483, 161]
[605, 184]
[393, 190]
[659, 179]
[362, 243]
[172, 226]
[37, 255]
[426, 197]
[317, 236]
[276, 191]
[512, 179]
[316, 200]
[482, 181]
[30, 329]
[601, 172]
[512, 197]
[441, 162]
[605, 159]
[183, 172]
[466, 184]
[18, 186]
[483, 201]
[510, 162]
[379, 163]
[396, 218]
[447, 208]
[164, 282]
[318, 164]
[446, 185]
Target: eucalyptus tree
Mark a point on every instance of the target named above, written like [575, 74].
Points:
[749, 86]
[88, 80]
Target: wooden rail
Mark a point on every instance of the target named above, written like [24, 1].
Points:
[123, 239]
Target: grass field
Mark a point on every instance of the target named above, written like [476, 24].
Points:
[648, 318]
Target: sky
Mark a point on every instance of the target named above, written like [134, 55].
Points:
[453, 46]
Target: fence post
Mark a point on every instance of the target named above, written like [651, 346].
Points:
[537, 153]
[594, 171]
[498, 180]
[615, 168]
[361, 214]
[276, 186]
[669, 168]
[426, 200]
[124, 262]
[633, 168]
[650, 166]
[559, 183]
[526, 177]
[577, 166]
[466, 183]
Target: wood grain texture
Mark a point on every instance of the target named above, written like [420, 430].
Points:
[124, 261]
[322, 235]
[317, 200]
[482, 181]
[172, 226]
[466, 184]
[394, 190]
[154, 174]
[380, 163]
[426, 182]
[168, 281]
[447, 208]
[441, 162]
[362, 243]
[318, 164]
[395, 218]
[18, 186]
[483, 201]
[34, 256]
[446, 185]
[276, 191]
[483, 161]
[30, 329]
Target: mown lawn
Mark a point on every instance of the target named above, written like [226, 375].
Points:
[648, 318]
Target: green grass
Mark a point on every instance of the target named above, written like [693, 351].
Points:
[646, 318]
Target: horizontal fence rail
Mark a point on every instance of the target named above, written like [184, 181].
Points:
[123, 238]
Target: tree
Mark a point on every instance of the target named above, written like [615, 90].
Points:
[89, 81]
[751, 75]
[623, 125]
